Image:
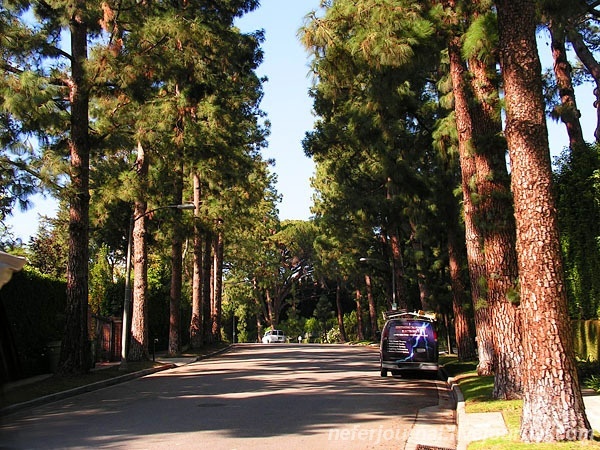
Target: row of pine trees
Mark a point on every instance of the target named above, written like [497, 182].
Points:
[419, 104]
[156, 105]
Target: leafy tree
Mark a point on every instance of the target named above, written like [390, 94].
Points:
[576, 179]
[371, 94]
[187, 69]
[102, 301]
[47, 94]
[46, 250]
[378, 108]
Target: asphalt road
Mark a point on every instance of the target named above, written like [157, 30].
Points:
[255, 396]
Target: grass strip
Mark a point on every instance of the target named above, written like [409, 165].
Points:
[477, 392]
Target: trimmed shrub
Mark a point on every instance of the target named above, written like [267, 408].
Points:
[35, 306]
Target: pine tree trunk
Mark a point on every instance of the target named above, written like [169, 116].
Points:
[196, 319]
[340, 314]
[464, 331]
[553, 408]
[593, 67]
[473, 235]
[75, 350]
[206, 264]
[495, 209]
[218, 289]
[424, 291]
[138, 349]
[568, 112]
[372, 308]
[359, 319]
[399, 292]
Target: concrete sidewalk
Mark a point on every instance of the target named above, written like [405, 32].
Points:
[479, 426]
[449, 426]
[435, 427]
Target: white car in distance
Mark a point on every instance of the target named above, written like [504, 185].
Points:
[273, 336]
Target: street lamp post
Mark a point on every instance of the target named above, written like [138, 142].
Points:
[393, 270]
[126, 323]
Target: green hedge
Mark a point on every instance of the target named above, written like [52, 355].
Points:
[34, 305]
[585, 337]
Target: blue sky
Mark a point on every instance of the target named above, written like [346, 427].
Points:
[290, 110]
[286, 100]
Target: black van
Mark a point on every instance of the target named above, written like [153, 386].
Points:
[408, 342]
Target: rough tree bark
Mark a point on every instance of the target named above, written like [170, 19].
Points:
[495, 210]
[196, 319]
[359, 321]
[138, 349]
[340, 314]
[372, 309]
[75, 350]
[473, 234]
[553, 408]
[464, 331]
[568, 111]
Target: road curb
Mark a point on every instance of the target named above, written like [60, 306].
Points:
[82, 389]
[459, 400]
[436, 427]
[11, 409]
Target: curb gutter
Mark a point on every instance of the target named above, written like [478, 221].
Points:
[82, 389]
[102, 384]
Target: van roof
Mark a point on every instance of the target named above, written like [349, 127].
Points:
[403, 314]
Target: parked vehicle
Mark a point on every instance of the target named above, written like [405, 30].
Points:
[273, 336]
[408, 341]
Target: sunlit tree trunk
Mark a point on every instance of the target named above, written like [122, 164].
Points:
[495, 209]
[372, 308]
[138, 349]
[196, 319]
[568, 111]
[553, 408]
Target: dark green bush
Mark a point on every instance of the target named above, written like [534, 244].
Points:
[35, 310]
